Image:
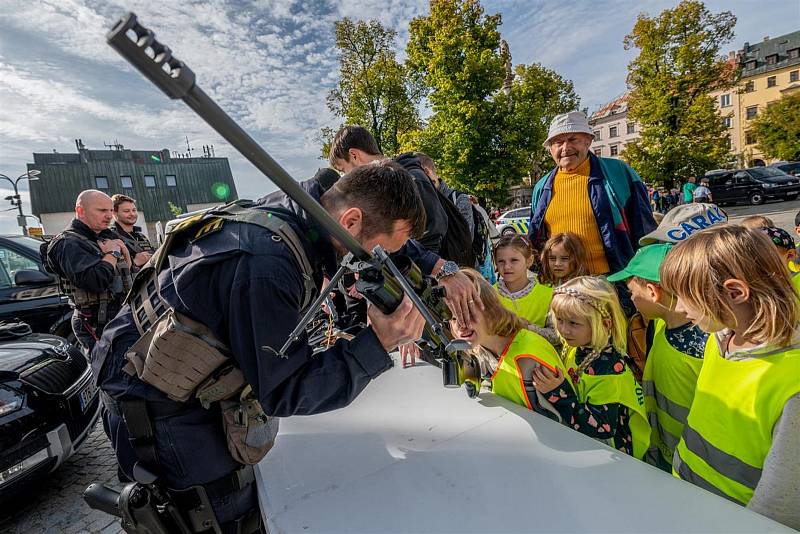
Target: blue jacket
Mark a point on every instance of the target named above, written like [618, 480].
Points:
[619, 202]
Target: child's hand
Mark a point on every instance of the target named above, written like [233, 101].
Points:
[546, 381]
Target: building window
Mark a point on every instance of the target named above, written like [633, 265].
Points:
[101, 182]
[751, 112]
[749, 87]
[750, 65]
[598, 151]
[748, 138]
[772, 59]
[727, 121]
[794, 76]
[127, 182]
[149, 181]
[631, 127]
[725, 101]
[771, 82]
[171, 181]
[596, 135]
[612, 132]
[793, 53]
[614, 150]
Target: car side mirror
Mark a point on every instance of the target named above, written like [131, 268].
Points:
[30, 277]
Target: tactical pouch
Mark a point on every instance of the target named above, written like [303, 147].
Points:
[175, 356]
[249, 431]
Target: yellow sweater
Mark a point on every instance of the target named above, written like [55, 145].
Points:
[570, 210]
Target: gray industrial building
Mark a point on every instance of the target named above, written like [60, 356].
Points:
[154, 178]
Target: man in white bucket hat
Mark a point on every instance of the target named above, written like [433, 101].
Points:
[601, 200]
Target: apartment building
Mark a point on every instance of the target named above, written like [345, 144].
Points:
[612, 129]
[769, 70]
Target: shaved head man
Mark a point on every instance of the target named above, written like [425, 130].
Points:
[95, 209]
[91, 262]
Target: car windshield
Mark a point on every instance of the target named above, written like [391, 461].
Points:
[27, 242]
[766, 172]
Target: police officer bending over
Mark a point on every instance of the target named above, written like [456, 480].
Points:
[91, 263]
[187, 373]
[125, 217]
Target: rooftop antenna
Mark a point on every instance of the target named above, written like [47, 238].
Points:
[189, 149]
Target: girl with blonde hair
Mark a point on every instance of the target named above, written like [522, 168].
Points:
[741, 439]
[508, 352]
[607, 403]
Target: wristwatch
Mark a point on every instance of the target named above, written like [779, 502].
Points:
[448, 269]
[115, 253]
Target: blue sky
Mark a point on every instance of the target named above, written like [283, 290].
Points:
[270, 64]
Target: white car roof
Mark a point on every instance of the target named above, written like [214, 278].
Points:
[411, 456]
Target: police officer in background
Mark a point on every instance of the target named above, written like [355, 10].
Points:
[125, 217]
[92, 265]
[190, 370]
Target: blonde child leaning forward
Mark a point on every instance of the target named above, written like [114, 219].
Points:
[608, 404]
[742, 435]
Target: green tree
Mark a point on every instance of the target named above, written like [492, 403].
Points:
[537, 95]
[455, 54]
[777, 129]
[373, 89]
[174, 209]
[678, 64]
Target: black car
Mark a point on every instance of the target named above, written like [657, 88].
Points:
[753, 185]
[48, 404]
[789, 167]
[28, 292]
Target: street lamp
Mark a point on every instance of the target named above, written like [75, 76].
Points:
[31, 176]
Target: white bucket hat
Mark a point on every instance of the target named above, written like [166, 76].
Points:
[572, 122]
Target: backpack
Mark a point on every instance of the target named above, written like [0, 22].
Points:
[480, 234]
[457, 243]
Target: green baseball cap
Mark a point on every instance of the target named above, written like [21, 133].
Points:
[645, 264]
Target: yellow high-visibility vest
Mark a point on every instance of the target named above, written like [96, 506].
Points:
[532, 307]
[618, 388]
[669, 380]
[728, 433]
[507, 378]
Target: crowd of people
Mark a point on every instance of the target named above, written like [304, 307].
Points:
[700, 376]
[675, 343]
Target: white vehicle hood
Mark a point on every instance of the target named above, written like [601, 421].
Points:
[411, 456]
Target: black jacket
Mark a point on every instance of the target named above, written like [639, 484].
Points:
[135, 241]
[436, 217]
[246, 287]
[81, 262]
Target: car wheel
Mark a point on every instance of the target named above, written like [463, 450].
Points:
[791, 197]
[508, 231]
[756, 198]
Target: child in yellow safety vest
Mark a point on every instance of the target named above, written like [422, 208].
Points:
[674, 349]
[507, 350]
[608, 404]
[563, 258]
[517, 287]
[741, 438]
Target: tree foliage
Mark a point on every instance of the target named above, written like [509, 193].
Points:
[777, 129]
[373, 88]
[482, 138]
[537, 95]
[678, 64]
[455, 53]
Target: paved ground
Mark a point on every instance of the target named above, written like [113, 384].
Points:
[782, 213]
[56, 505]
